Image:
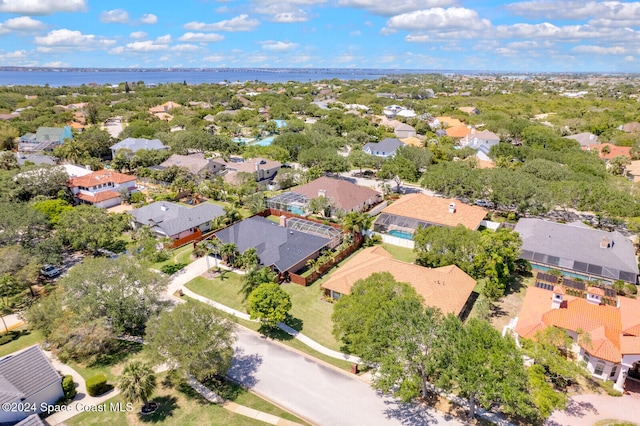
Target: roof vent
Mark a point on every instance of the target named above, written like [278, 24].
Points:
[322, 193]
[164, 208]
[604, 242]
[452, 207]
[594, 295]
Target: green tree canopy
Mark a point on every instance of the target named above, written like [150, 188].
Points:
[269, 304]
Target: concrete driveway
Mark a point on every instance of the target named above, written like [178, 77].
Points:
[321, 394]
[585, 410]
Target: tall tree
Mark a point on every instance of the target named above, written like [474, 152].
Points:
[269, 304]
[89, 228]
[192, 338]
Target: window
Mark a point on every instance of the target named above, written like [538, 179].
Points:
[599, 368]
[613, 371]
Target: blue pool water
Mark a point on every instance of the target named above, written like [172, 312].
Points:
[264, 142]
[401, 234]
[244, 140]
[296, 210]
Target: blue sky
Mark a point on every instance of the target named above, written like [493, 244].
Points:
[533, 35]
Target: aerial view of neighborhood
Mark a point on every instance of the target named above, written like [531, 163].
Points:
[189, 244]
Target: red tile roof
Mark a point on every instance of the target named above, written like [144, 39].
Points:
[607, 326]
[100, 176]
[614, 150]
[100, 196]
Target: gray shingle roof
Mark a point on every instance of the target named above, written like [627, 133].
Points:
[32, 420]
[28, 371]
[172, 218]
[276, 245]
[577, 248]
[135, 144]
[385, 145]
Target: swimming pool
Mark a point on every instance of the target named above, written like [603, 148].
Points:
[401, 234]
[263, 142]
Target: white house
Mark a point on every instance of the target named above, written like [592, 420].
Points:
[27, 379]
[102, 188]
[385, 148]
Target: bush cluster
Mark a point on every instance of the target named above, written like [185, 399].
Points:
[97, 385]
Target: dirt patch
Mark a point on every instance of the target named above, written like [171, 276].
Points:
[509, 306]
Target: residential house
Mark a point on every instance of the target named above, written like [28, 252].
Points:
[174, 220]
[481, 141]
[407, 113]
[343, 196]
[404, 216]
[210, 118]
[413, 141]
[577, 250]
[27, 379]
[633, 127]
[608, 151]
[450, 122]
[195, 163]
[611, 349]
[264, 170]
[6, 117]
[447, 288]
[404, 131]
[37, 159]
[164, 108]
[385, 148]
[284, 246]
[584, 139]
[102, 188]
[44, 139]
[132, 145]
[470, 110]
[633, 171]
[458, 132]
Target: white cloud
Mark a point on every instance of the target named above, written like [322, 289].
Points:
[201, 37]
[578, 10]
[116, 50]
[149, 18]
[115, 16]
[164, 39]
[42, 7]
[23, 23]
[239, 23]
[56, 64]
[138, 34]
[73, 39]
[185, 47]
[278, 46]
[629, 58]
[568, 32]
[390, 8]
[146, 46]
[17, 54]
[214, 58]
[283, 12]
[600, 50]
[439, 19]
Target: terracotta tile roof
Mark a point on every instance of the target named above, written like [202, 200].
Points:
[100, 196]
[413, 141]
[446, 288]
[615, 150]
[344, 194]
[436, 210]
[560, 290]
[595, 290]
[605, 324]
[450, 122]
[100, 176]
[458, 131]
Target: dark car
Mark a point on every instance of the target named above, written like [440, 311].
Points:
[50, 271]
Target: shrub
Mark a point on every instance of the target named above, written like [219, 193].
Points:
[9, 337]
[68, 387]
[630, 289]
[172, 269]
[97, 385]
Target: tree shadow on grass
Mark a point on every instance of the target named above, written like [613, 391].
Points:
[123, 349]
[295, 323]
[166, 406]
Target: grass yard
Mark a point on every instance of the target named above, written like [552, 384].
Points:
[181, 405]
[27, 338]
[509, 306]
[112, 365]
[244, 212]
[224, 289]
[401, 253]
[180, 255]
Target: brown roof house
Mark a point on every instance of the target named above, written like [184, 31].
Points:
[264, 170]
[612, 350]
[633, 127]
[447, 288]
[101, 188]
[401, 219]
[195, 163]
[342, 195]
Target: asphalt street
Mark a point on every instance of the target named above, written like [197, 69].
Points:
[317, 392]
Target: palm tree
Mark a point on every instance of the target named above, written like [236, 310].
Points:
[137, 383]
[250, 258]
[356, 222]
[229, 252]
[254, 277]
[313, 264]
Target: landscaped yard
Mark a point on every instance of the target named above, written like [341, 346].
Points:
[181, 405]
[180, 255]
[509, 306]
[224, 289]
[401, 253]
[28, 338]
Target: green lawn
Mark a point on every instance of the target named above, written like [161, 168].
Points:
[28, 338]
[111, 366]
[244, 212]
[180, 255]
[181, 405]
[224, 289]
[401, 253]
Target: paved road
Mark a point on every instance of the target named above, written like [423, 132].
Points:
[588, 409]
[317, 392]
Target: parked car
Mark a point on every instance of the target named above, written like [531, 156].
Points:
[50, 271]
[484, 203]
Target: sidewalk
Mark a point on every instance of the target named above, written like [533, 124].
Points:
[12, 322]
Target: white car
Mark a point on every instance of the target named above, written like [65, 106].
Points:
[484, 203]
[50, 271]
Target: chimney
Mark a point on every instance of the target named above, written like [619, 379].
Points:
[556, 299]
[164, 208]
[452, 207]
[594, 295]
[283, 221]
[604, 242]
[322, 193]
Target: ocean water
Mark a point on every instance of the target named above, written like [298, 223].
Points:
[59, 78]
